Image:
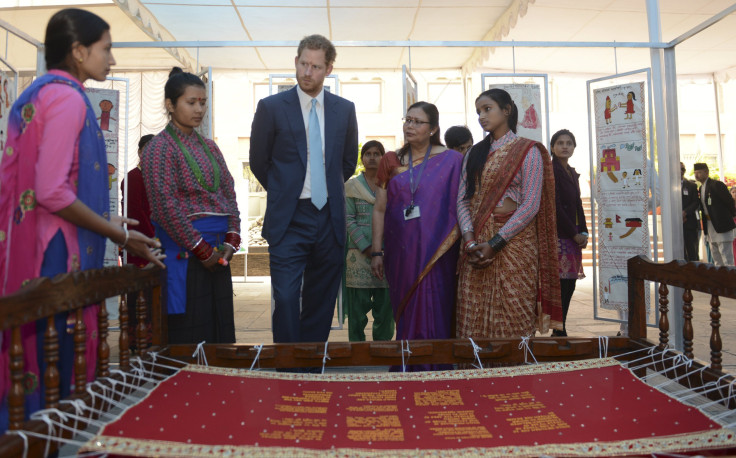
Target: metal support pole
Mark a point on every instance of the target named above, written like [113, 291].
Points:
[718, 129]
[668, 161]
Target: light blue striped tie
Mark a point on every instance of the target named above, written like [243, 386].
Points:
[316, 165]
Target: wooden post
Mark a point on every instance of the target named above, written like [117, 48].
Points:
[715, 336]
[124, 344]
[51, 355]
[16, 397]
[103, 349]
[80, 353]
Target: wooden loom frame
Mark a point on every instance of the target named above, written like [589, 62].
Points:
[43, 298]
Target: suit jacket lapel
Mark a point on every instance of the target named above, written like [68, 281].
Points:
[330, 124]
[296, 120]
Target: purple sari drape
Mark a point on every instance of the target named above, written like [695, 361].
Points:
[410, 246]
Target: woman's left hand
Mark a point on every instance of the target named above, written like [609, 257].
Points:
[485, 255]
[228, 253]
[581, 240]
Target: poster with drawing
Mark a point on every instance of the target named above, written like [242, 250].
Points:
[528, 100]
[106, 104]
[7, 97]
[621, 188]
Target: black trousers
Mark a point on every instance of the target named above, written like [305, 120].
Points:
[567, 287]
[692, 240]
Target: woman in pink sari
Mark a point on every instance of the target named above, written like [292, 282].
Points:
[54, 205]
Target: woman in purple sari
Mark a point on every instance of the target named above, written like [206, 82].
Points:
[415, 219]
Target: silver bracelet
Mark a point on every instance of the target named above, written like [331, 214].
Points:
[234, 249]
[127, 236]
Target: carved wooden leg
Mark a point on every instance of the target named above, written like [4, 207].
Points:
[687, 327]
[80, 350]
[16, 397]
[123, 340]
[141, 331]
[715, 336]
[51, 355]
[664, 321]
[103, 349]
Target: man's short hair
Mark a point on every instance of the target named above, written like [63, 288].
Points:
[700, 166]
[318, 42]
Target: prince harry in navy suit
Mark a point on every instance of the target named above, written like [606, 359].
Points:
[303, 147]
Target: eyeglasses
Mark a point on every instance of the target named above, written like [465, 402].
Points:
[413, 122]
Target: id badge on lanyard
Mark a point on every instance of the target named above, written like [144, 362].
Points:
[412, 211]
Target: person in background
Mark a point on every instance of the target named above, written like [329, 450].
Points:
[415, 217]
[303, 148]
[139, 209]
[459, 138]
[690, 217]
[364, 292]
[718, 211]
[572, 230]
[195, 214]
[509, 284]
[55, 195]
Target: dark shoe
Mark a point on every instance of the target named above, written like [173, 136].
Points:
[557, 333]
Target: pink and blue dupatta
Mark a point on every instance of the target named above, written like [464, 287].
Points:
[18, 219]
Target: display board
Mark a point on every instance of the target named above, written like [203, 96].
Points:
[531, 99]
[106, 104]
[8, 94]
[409, 87]
[622, 169]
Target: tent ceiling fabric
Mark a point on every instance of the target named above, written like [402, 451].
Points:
[711, 51]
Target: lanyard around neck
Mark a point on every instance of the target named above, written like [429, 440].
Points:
[413, 186]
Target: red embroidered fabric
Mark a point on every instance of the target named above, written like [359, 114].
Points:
[572, 408]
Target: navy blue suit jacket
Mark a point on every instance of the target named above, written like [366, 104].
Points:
[278, 157]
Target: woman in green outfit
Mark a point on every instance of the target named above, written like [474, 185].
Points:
[364, 292]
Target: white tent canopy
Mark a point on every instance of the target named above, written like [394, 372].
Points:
[394, 22]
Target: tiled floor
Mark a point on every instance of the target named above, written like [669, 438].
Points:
[253, 319]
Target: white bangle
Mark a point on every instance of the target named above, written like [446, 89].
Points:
[127, 236]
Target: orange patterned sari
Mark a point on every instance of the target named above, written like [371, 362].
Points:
[519, 292]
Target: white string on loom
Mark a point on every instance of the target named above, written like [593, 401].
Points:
[408, 352]
[325, 358]
[258, 348]
[602, 347]
[524, 345]
[23, 436]
[718, 387]
[45, 416]
[476, 349]
[199, 354]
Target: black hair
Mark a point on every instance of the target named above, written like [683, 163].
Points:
[556, 137]
[477, 157]
[457, 135]
[178, 82]
[433, 115]
[372, 144]
[144, 139]
[69, 26]
[633, 96]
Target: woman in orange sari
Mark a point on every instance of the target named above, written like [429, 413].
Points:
[509, 283]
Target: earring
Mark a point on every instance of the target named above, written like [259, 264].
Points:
[81, 60]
